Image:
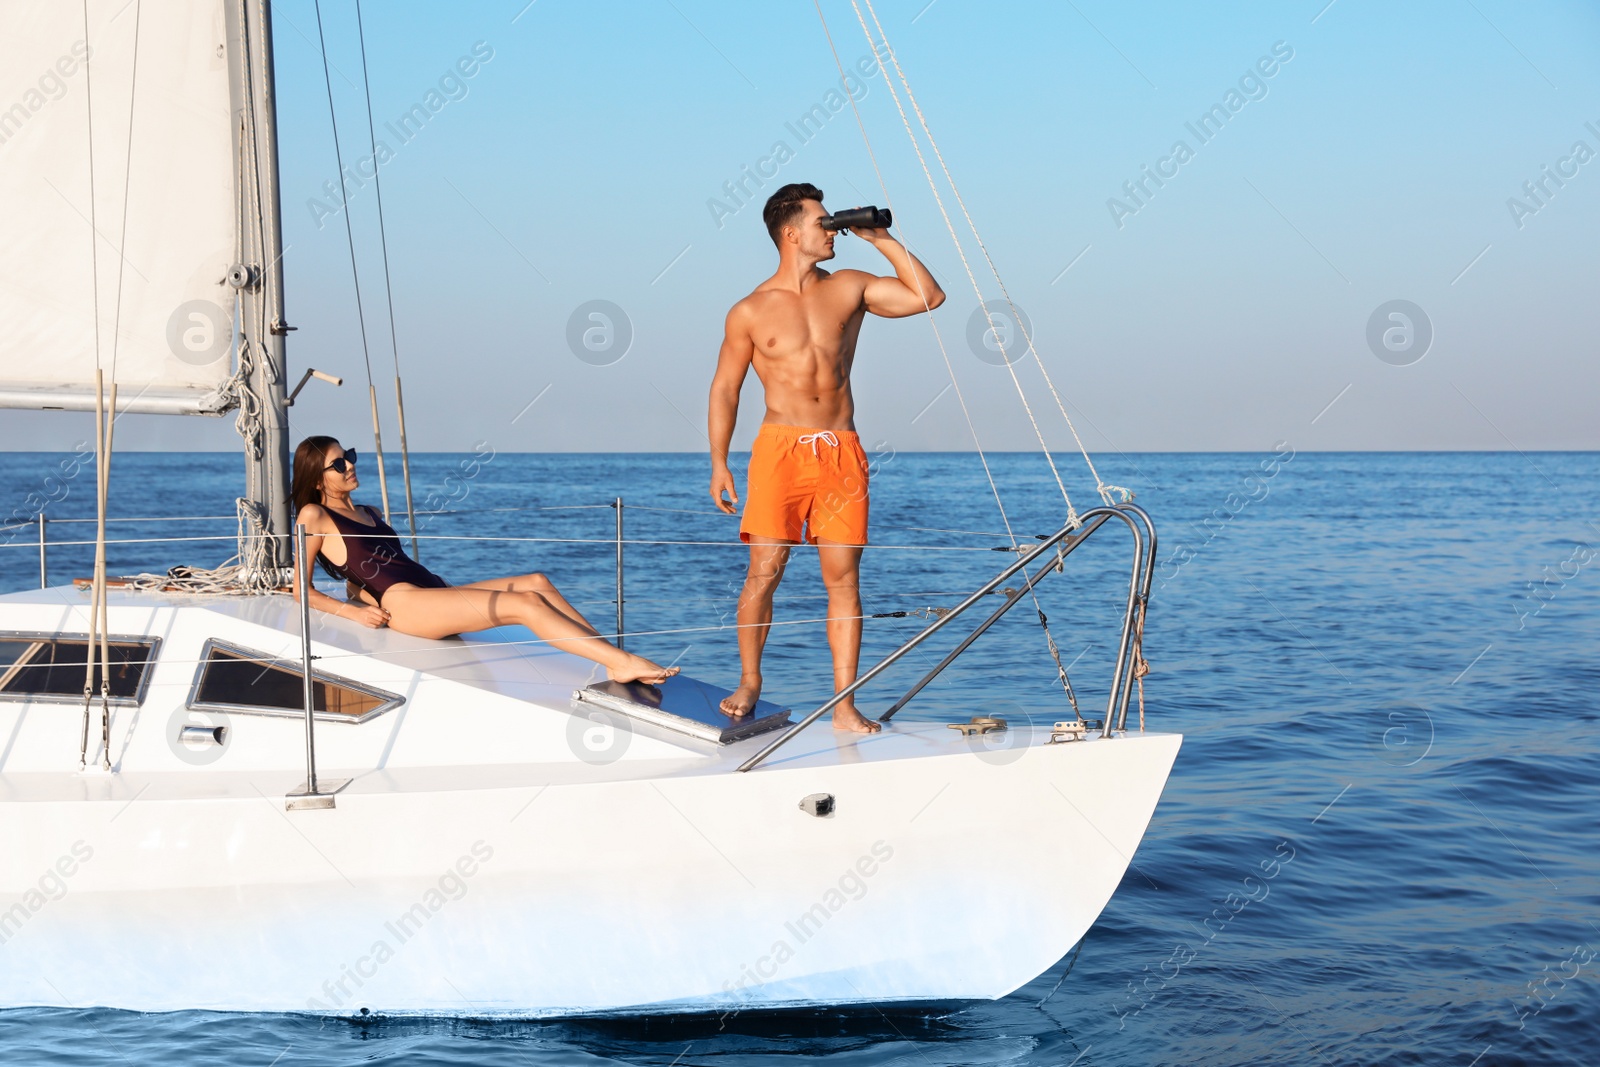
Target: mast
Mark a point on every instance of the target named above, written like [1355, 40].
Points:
[264, 519]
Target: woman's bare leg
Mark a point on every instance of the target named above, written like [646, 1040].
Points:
[535, 583]
[436, 613]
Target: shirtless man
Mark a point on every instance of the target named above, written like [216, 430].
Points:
[808, 473]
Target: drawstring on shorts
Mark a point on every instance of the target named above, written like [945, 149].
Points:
[812, 439]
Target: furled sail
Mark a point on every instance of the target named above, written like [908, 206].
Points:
[117, 186]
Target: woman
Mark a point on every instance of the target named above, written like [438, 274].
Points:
[354, 544]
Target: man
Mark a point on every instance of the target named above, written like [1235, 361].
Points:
[808, 473]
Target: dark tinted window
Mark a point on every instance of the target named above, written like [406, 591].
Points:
[236, 679]
[52, 667]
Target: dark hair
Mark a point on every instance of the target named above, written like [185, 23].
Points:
[310, 460]
[784, 206]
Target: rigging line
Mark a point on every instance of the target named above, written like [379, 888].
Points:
[267, 220]
[1101, 487]
[244, 424]
[937, 336]
[596, 541]
[255, 234]
[962, 254]
[157, 518]
[94, 229]
[104, 488]
[433, 651]
[717, 515]
[98, 587]
[350, 239]
[607, 541]
[388, 291]
[97, 581]
[254, 354]
[326, 657]
[1072, 516]
[1050, 642]
[977, 237]
[127, 175]
[103, 479]
[241, 189]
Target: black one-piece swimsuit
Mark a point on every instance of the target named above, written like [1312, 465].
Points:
[374, 559]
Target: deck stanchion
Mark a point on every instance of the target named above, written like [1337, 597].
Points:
[302, 579]
[44, 570]
[309, 796]
[618, 506]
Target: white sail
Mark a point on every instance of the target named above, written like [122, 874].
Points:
[125, 121]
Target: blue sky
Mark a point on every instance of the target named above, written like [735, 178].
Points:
[1227, 310]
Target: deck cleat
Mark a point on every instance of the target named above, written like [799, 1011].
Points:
[979, 724]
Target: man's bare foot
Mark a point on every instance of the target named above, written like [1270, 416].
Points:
[639, 669]
[742, 700]
[846, 717]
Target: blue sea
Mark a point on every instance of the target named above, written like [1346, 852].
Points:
[1378, 846]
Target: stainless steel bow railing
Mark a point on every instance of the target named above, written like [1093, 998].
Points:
[1069, 537]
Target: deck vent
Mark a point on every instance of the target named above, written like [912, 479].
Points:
[202, 735]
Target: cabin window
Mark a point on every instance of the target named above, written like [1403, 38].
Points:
[239, 679]
[50, 667]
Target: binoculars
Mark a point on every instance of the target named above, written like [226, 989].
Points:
[865, 218]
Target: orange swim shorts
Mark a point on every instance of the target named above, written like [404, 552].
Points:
[805, 484]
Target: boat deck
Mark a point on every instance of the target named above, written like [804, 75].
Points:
[491, 710]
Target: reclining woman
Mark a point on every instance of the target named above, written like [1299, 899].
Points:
[355, 545]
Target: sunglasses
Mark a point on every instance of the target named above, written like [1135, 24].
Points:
[344, 462]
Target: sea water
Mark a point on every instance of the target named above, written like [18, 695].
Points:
[1378, 844]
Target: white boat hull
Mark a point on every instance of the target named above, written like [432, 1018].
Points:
[554, 888]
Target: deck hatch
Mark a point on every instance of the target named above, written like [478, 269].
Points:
[49, 667]
[233, 678]
[683, 704]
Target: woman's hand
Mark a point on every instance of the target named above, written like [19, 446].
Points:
[366, 615]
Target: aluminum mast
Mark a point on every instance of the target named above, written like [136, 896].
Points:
[264, 537]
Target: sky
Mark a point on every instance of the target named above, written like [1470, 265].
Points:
[1359, 154]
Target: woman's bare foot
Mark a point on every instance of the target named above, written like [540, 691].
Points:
[846, 717]
[742, 700]
[639, 669]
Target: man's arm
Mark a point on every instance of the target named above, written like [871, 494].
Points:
[733, 363]
[911, 292]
